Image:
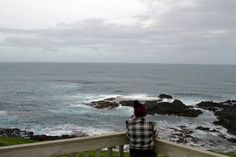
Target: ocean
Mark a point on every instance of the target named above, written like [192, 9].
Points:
[50, 98]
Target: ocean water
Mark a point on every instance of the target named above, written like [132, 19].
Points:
[50, 98]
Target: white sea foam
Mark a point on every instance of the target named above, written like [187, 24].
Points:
[70, 85]
[192, 101]
[86, 98]
[3, 113]
[73, 129]
[138, 96]
[92, 97]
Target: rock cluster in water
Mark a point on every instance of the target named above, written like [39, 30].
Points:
[225, 112]
[157, 106]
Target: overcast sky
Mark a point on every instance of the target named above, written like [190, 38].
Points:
[143, 31]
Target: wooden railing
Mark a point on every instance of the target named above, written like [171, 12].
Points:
[96, 143]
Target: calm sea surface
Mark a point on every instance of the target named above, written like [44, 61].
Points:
[49, 97]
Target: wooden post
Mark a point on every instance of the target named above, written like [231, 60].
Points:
[86, 154]
[121, 151]
[98, 152]
[73, 154]
[109, 151]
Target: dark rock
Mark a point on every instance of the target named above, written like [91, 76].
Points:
[175, 108]
[209, 105]
[229, 102]
[195, 140]
[107, 103]
[222, 135]
[182, 140]
[225, 112]
[206, 129]
[15, 132]
[49, 138]
[227, 118]
[183, 135]
[165, 96]
[233, 140]
[127, 103]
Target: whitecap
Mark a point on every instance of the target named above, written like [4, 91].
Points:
[3, 113]
[70, 129]
[138, 96]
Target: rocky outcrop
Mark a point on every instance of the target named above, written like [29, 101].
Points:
[127, 103]
[210, 105]
[206, 129]
[225, 112]
[15, 132]
[106, 103]
[176, 107]
[165, 96]
[183, 135]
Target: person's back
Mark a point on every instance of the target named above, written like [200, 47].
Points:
[141, 133]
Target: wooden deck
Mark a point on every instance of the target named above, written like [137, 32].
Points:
[85, 144]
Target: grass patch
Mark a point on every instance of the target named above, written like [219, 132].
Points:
[6, 141]
[231, 154]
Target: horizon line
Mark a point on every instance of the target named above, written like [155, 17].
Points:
[115, 63]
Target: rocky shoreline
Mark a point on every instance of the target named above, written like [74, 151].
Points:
[166, 105]
[15, 132]
[224, 111]
[181, 134]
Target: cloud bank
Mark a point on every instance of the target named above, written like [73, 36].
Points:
[192, 31]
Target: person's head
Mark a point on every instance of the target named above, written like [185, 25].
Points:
[139, 109]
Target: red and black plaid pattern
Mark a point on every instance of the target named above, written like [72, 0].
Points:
[141, 133]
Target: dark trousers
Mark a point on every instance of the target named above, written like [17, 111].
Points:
[142, 153]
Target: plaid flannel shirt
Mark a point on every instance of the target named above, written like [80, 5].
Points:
[141, 133]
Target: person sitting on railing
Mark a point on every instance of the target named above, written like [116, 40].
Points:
[141, 133]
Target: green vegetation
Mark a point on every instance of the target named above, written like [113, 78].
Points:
[231, 154]
[6, 141]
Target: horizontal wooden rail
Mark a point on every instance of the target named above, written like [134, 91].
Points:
[66, 146]
[96, 143]
[172, 149]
